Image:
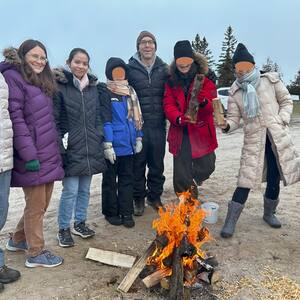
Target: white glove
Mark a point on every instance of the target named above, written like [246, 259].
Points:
[65, 140]
[109, 152]
[138, 145]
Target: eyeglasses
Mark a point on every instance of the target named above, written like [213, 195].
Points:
[144, 43]
[37, 58]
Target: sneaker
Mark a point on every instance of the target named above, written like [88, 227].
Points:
[8, 275]
[82, 230]
[115, 220]
[139, 207]
[12, 246]
[45, 259]
[155, 204]
[64, 238]
[128, 221]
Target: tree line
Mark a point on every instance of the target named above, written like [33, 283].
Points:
[224, 67]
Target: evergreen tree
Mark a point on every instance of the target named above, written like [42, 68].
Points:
[294, 87]
[271, 66]
[224, 67]
[201, 46]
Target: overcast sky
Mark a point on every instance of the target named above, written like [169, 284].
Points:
[110, 28]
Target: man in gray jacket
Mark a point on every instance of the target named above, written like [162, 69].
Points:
[6, 164]
[148, 75]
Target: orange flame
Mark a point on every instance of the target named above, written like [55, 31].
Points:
[176, 222]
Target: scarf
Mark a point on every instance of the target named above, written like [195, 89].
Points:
[81, 84]
[121, 87]
[248, 84]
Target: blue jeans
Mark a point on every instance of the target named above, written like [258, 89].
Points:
[4, 194]
[75, 197]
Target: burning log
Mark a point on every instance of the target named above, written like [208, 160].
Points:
[187, 249]
[156, 277]
[176, 281]
[165, 283]
[202, 263]
[136, 270]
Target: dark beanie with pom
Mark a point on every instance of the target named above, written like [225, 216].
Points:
[242, 54]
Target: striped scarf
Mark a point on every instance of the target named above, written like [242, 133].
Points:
[121, 87]
[248, 84]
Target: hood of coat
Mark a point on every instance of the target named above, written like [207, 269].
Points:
[63, 76]
[11, 59]
[199, 60]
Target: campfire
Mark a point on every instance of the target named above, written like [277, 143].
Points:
[176, 259]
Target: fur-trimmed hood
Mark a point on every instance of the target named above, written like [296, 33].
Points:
[200, 61]
[63, 76]
[11, 59]
[11, 56]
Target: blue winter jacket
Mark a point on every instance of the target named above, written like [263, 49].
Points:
[120, 130]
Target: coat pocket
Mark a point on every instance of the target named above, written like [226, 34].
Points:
[120, 136]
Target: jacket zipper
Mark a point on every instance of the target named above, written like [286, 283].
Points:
[128, 125]
[84, 124]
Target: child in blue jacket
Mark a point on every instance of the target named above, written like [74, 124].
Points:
[122, 139]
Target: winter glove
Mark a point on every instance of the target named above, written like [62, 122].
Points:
[183, 121]
[109, 152]
[138, 145]
[65, 140]
[32, 165]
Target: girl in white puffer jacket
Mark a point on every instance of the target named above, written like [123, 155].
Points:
[6, 164]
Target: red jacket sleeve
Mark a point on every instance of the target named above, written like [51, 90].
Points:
[170, 106]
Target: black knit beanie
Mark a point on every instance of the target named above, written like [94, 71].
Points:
[112, 63]
[241, 54]
[183, 49]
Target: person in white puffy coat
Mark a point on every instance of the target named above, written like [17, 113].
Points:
[268, 153]
[6, 164]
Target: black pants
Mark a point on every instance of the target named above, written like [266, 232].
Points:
[273, 178]
[152, 156]
[186, 169]
[117, 187]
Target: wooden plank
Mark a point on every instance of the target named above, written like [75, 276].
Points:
[134, 272]
[156, 277]
[111, 258]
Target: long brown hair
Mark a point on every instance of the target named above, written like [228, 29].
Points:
[45, 80]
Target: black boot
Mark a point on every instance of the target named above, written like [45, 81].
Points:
[8, 275]
[128, 221]
[139, 207]
[233, 214]
[269, 212]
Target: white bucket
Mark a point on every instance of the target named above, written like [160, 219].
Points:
[212, 212]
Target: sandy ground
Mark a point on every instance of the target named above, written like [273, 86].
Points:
[254, 246]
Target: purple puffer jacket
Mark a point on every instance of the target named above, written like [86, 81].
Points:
[35, 135]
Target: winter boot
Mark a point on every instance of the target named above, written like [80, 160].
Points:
[269, 212]
[233, 213]
[139, 207]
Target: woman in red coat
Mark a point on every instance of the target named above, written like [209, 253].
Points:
[192, 139]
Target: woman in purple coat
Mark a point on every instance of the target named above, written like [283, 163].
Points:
[37, 162]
